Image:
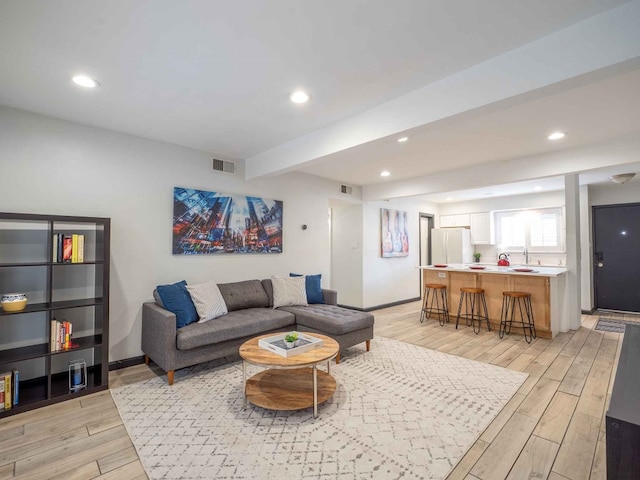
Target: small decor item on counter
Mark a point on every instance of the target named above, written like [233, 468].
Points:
[291, 339]
[77, 375]
[13, 302]
[476, 257]
[503, 260]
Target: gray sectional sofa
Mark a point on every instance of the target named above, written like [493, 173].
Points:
[251, 313]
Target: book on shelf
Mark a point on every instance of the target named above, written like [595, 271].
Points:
[60, 247]
[68, 248]
[16, 386]
[67, 335]
[6, 399]
[80, 257]
[61, 333]
[55, 248]
[74, 248]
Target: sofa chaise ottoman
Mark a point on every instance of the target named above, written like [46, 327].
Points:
[250, 313]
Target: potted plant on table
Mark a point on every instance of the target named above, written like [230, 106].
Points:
[291, 339]
[476, 257]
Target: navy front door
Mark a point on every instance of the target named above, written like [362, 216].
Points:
[616, 262]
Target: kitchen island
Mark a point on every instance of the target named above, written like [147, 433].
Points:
[547, 286]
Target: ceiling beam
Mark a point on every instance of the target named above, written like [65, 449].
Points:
[597, 43]
[561, 162]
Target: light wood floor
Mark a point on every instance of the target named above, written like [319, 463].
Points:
[552, 428]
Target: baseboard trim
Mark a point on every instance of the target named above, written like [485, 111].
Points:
[589, 312]
[384, 305]
[127, 362]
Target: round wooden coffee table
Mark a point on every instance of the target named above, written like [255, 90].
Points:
[290, 383]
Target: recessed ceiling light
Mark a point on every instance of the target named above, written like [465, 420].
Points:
[299, 97]
[85, 81]
[385, 173]
[537, 188]
[488, 194]
[556, 136]
[448, 199]
[403, 139]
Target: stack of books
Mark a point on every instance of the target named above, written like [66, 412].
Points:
[61, 335]
[9, 388]
[68, 248]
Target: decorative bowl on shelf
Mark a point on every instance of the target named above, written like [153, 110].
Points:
[13, 302]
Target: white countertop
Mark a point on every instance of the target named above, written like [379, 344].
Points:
[538, 270]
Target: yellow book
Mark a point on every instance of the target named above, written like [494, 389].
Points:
[74, 248]
[80, 248]
[7, 391]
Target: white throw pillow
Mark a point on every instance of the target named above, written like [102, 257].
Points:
[208, 300]
[288, 291]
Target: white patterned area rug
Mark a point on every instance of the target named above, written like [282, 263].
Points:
[400, 411]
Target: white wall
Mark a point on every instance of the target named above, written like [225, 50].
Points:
[387, 280]
[51, 166]
[612, 194]
[586, 253]
[346, 254]
[381, 280]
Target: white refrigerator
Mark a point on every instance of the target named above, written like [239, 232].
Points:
[451, 245]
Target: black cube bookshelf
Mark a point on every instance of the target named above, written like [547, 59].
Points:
[65, 291]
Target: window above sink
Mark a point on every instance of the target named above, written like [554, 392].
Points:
[536, 230]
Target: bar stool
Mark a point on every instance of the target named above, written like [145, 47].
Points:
[435, 303]
[523, 302]
[475, 307]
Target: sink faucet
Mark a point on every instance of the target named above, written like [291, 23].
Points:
[526, 256]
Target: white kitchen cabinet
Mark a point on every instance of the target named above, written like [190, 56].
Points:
[481, 228]
[460, 220]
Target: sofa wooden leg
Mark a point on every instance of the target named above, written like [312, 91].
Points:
[170, 377]
[338, 358]
[368, 342]
[146, 359]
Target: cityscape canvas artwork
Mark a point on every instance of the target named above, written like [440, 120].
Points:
[217, 223]
[395, 236]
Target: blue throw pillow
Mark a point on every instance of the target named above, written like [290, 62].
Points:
[313, 286]
[176, 299]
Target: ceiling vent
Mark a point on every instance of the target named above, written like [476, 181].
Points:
[346, 189]
[224, 166]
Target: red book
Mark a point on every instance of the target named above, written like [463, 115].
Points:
[67, 249]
